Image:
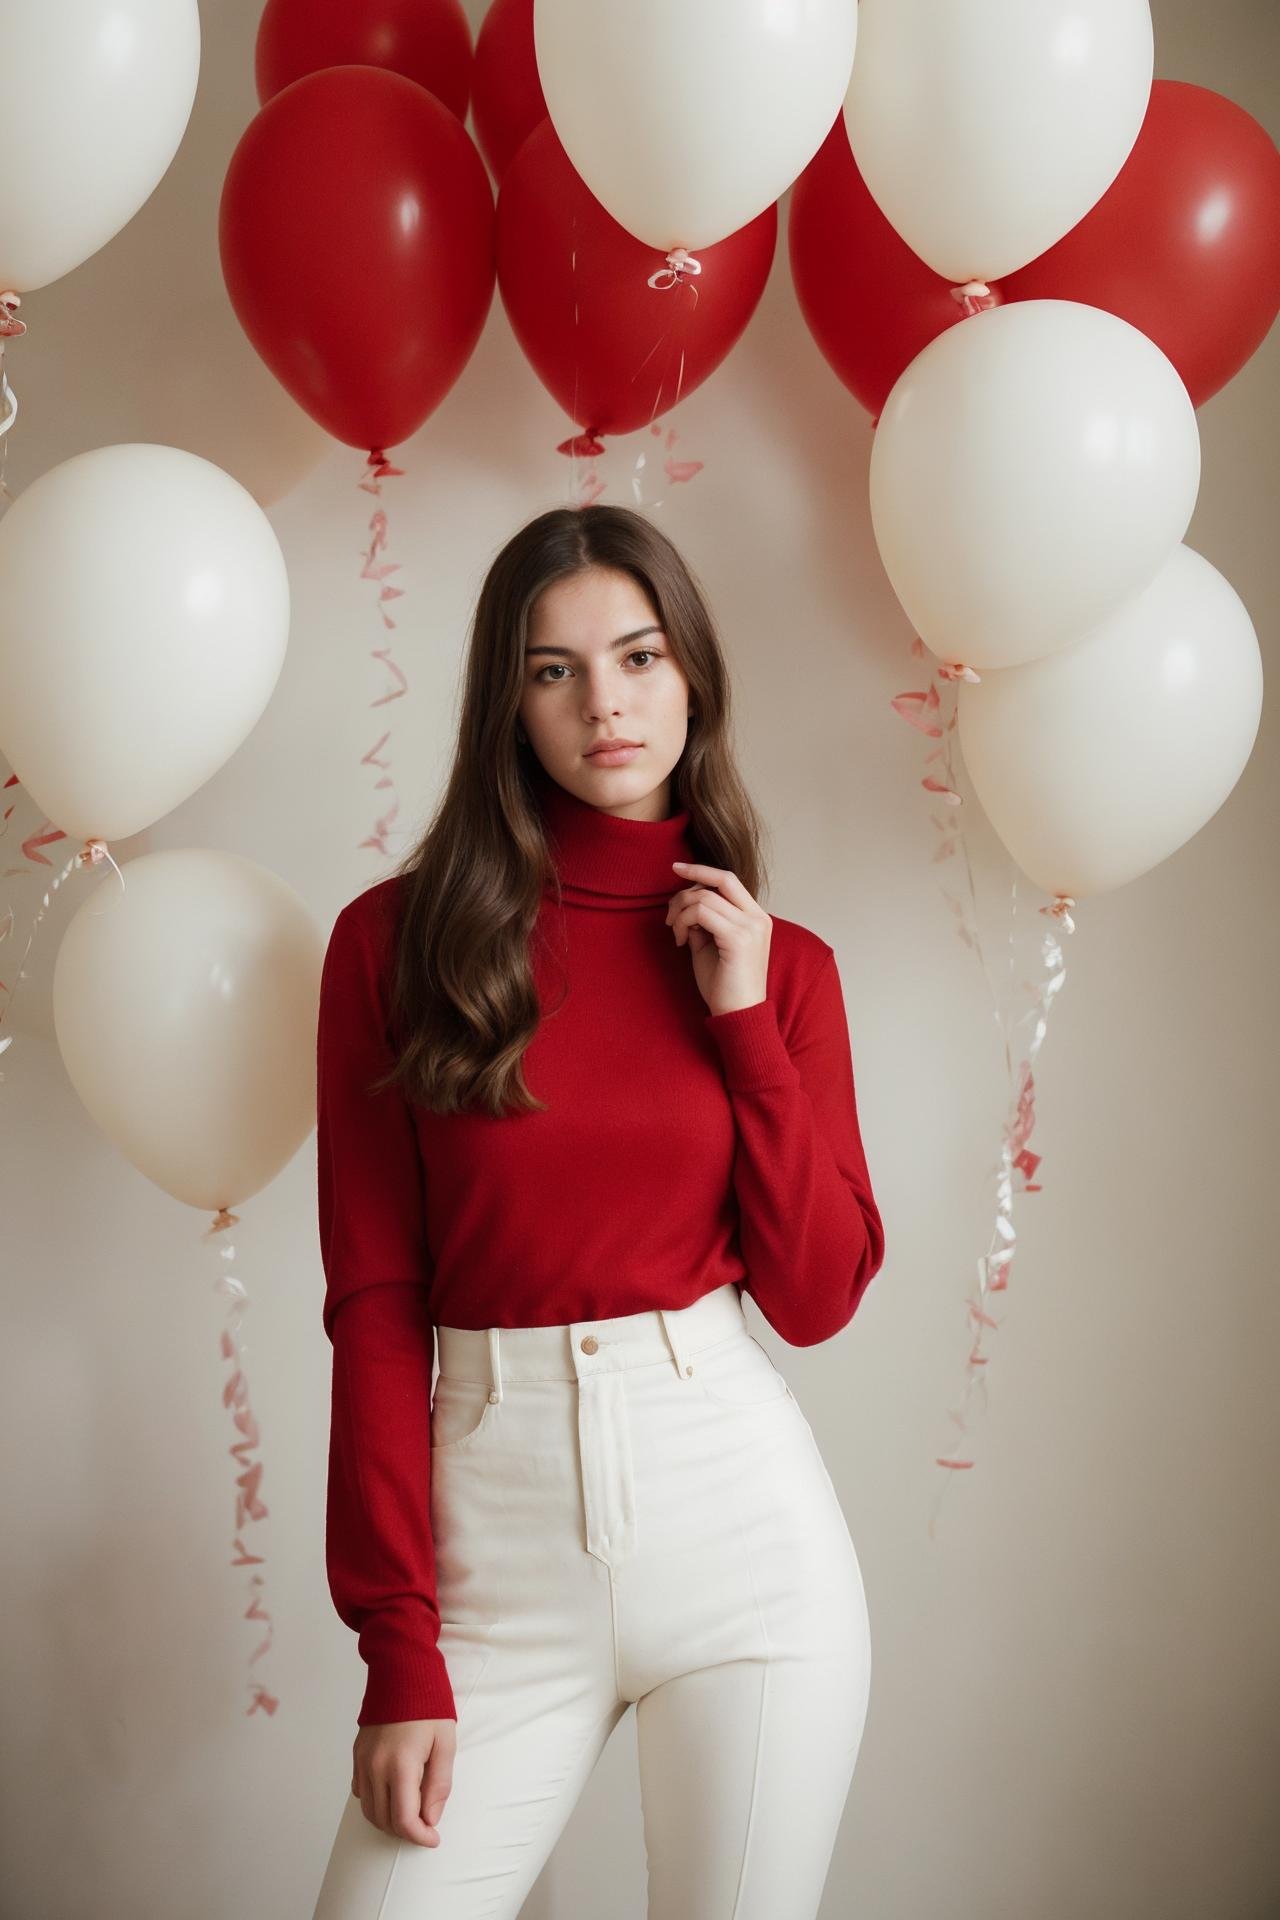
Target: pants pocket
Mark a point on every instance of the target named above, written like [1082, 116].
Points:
[737, 1372]
[461, 1411]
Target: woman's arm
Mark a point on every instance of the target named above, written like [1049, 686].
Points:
[379, 1553]
[810, 1230]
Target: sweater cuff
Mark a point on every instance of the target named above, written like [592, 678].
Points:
[406, 1683]
[752, 1049]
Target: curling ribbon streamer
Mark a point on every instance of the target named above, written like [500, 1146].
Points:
[90, 854]
[922, 710]
[10, 329]
[249, 1502]
[378, 469]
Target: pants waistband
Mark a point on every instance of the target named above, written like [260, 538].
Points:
[580, 1348]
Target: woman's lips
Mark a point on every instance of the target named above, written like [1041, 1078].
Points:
[613, 756]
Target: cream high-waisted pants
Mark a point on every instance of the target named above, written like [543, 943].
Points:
[631, 1511]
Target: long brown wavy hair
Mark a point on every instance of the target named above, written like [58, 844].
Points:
[463, 1000]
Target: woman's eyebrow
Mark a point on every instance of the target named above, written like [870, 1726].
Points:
[623, 640]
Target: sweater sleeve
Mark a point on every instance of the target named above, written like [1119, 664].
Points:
[379, 1553]
[810, 1230]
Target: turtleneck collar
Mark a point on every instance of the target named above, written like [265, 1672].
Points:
[603, 859]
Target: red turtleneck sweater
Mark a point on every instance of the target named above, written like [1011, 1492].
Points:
[679, 1150]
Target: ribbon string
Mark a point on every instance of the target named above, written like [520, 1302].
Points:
[923, 710]
[93, 851]
[11, 328]
[250, 1507]
[373, 567]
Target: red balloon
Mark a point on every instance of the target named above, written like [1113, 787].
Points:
[1184, 245]
[507, 97]
[869, 301]
[356, 236]
[612, 350]
[426, 40]
[1185, 242]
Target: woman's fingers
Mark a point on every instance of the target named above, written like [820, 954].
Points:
[723, 879]
[438, 1784]
[402, 1785]
[710, 911]
[404, 1803]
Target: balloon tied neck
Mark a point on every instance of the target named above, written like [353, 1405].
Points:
[582, 446]
[957, 670]
[93, 851]
[10, 325]
[380, 465]
[223, 1219]
[679, 263]
[1060, 909]
[974, 296]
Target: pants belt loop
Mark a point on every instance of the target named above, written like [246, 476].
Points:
[674, 1344]
[495, 1365]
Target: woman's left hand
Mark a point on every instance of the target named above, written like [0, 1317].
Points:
[727, 933]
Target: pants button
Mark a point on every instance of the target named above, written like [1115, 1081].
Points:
[590, 1344]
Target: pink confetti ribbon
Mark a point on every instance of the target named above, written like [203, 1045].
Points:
[250, 1508]
[379, 570]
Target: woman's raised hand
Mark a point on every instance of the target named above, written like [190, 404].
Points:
[728, 934]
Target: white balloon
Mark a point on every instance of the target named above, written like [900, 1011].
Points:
[1097, 763]
[185, 1007]
[95, 96]
[688, 121]
[985, 131]
[1033, 467]
[145, 607]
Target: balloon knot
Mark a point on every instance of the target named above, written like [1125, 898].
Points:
[10, 325]
[974, 296]
[582, 446]
[679, 263]
[957, 670]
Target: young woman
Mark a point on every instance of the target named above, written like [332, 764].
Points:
[577, 1092]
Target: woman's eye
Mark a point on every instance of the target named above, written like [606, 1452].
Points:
[649, 653]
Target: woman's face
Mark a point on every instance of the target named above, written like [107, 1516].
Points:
[598, 665]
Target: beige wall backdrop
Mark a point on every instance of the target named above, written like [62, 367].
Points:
[1075, 1702]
